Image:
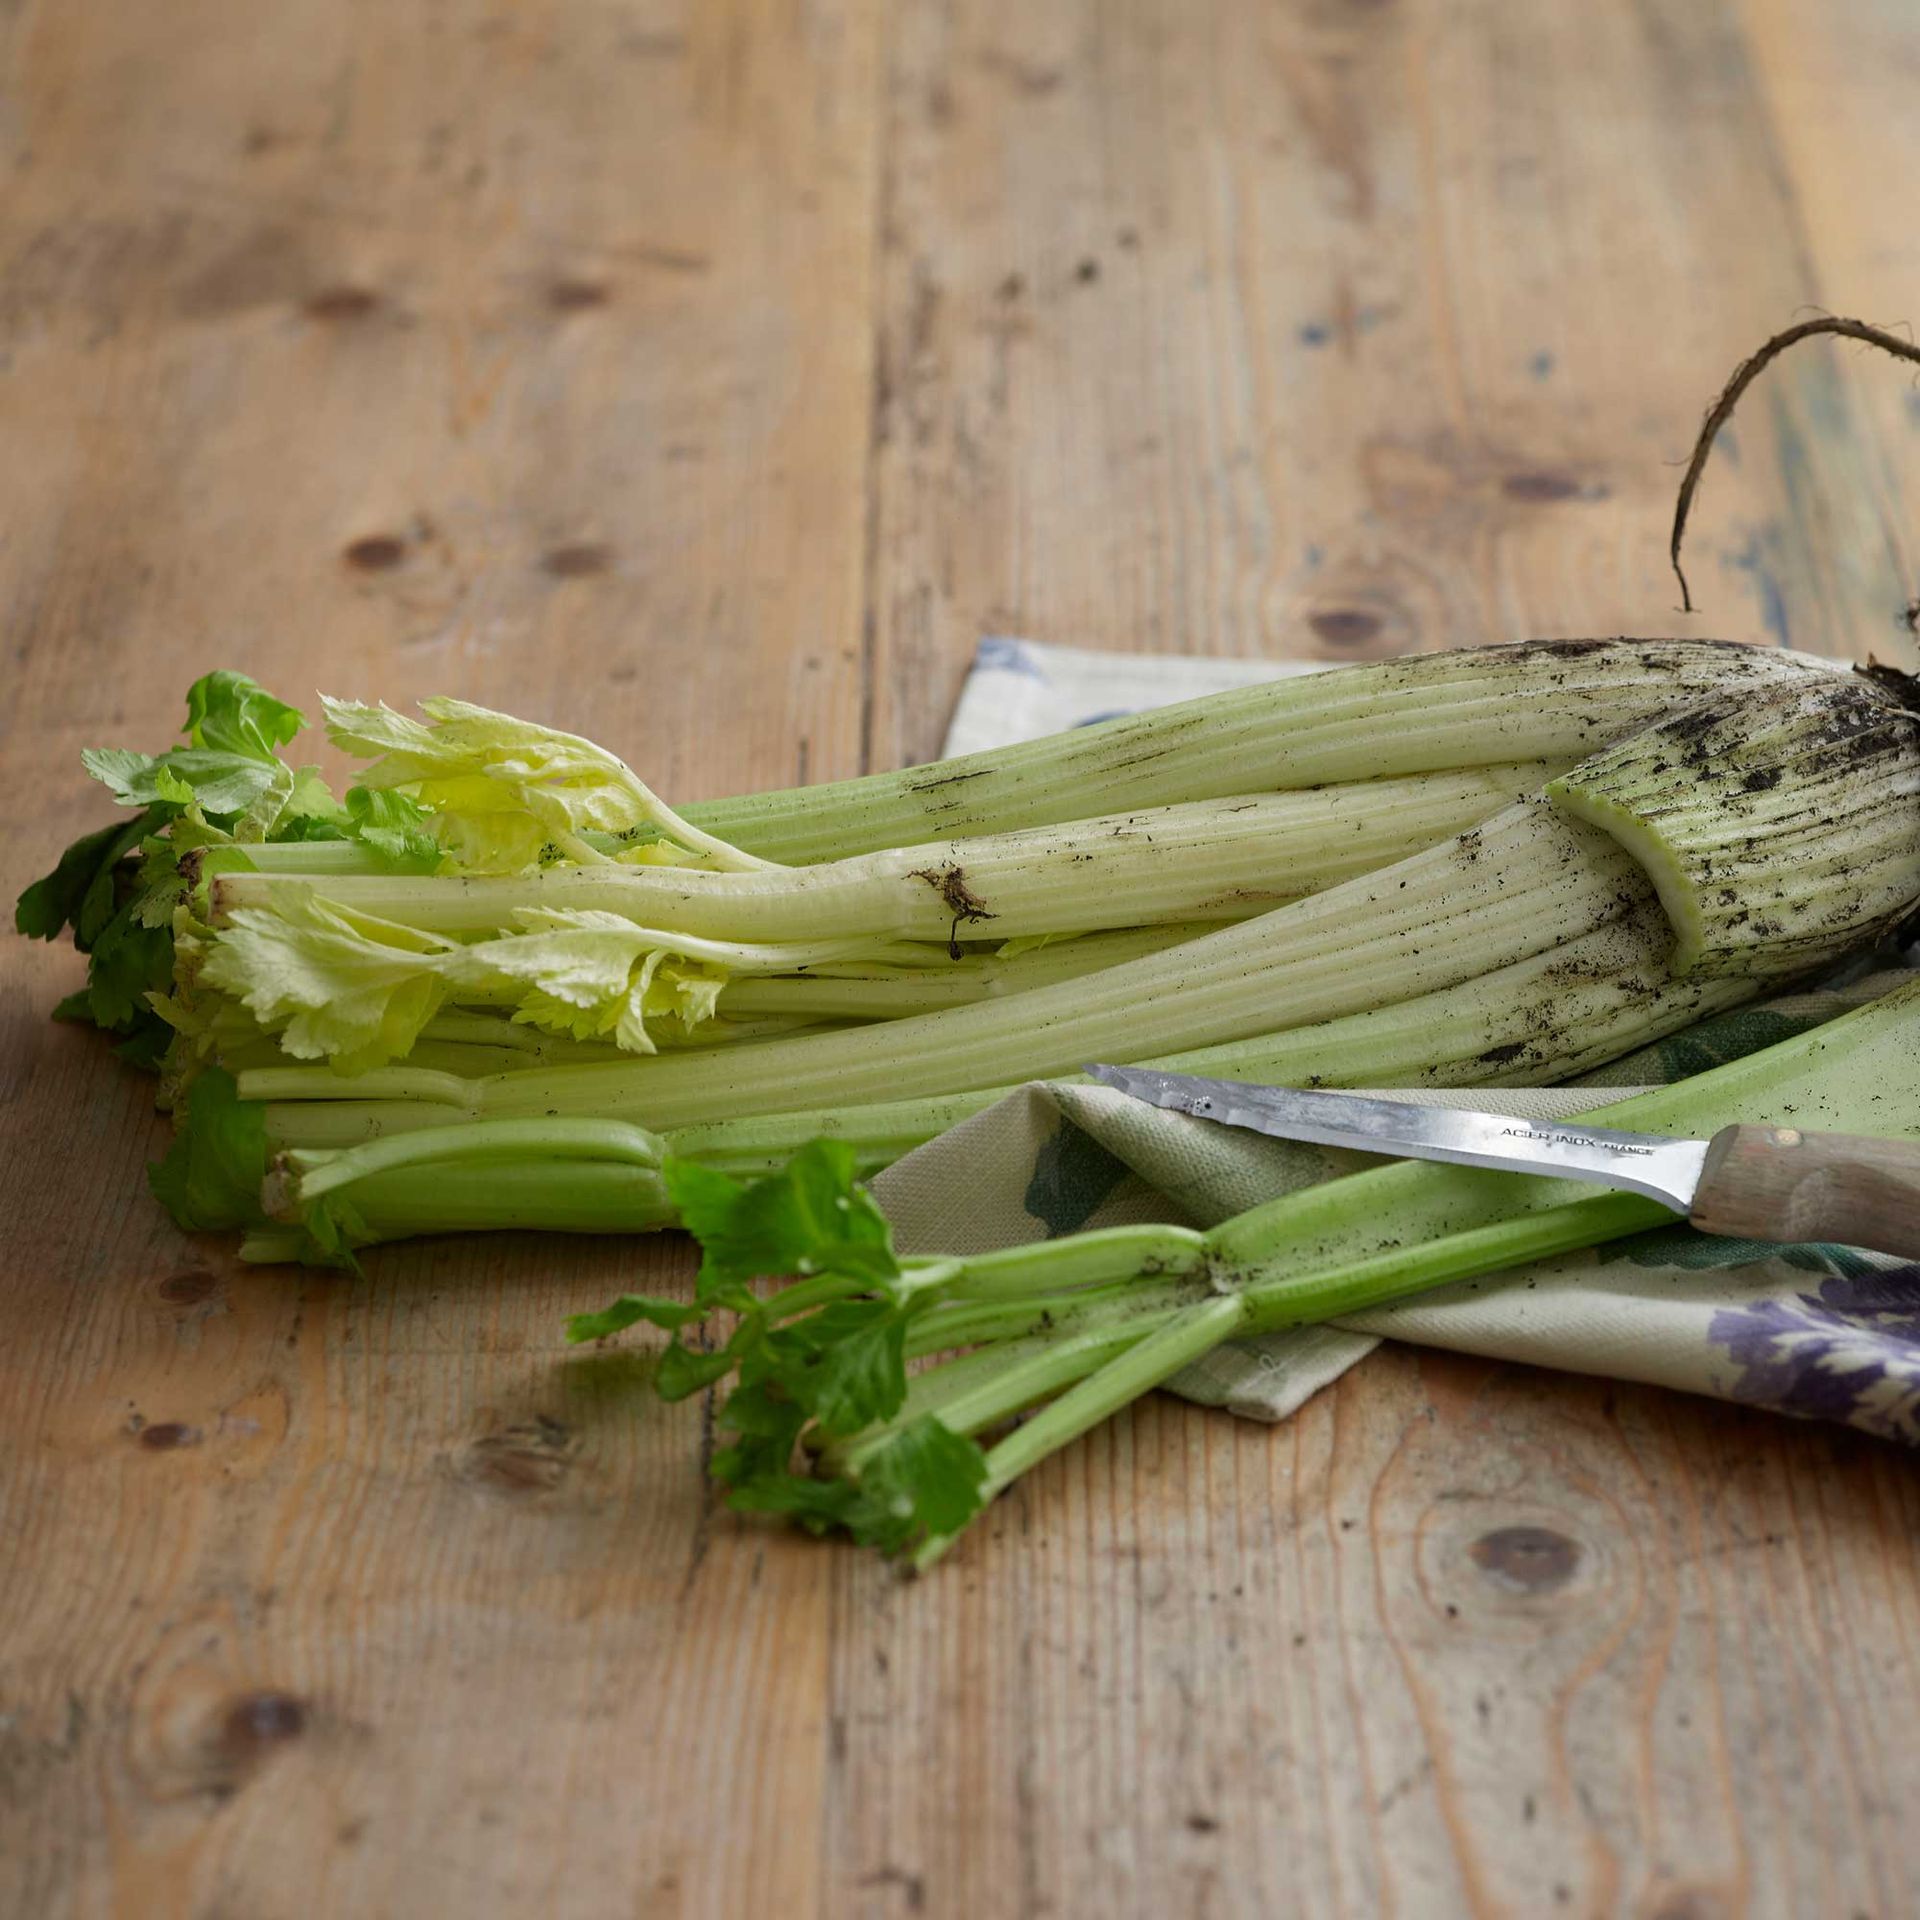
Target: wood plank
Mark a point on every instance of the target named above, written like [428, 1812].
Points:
[498, 351]
[1830, 90]
[1340, 330]
[1459, 1638]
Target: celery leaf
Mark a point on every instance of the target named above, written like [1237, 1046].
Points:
[333, 984]
[926, 1482]
[127, 962]
[812, 1217]
[224, 784]
[685, 1371]
[211, 1175]
[628, 1311]
[231, 713]
[941, 1475]
[79, 892]
[503, 793]
[593, 976]
[846, 1364]
[395, 827]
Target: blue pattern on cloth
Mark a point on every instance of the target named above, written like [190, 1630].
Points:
[1848, 1351]
[1007, 656]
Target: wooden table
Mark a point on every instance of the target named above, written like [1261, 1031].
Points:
[709, 377]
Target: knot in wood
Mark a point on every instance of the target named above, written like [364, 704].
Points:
[530, 1457]
[1526, 1559]
[188, 1287]
[1345, 626]
[1541, 487]
[256, 1723]
[375, 553]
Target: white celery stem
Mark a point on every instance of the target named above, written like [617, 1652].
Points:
[1524, 883]
[1212, 860]
[313, 859]
[1546, 700]
[1784, 824]
[890, 992]
[1534, 1023]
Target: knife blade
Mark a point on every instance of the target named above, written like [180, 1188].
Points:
[1762, 1183]
[1664, 1170]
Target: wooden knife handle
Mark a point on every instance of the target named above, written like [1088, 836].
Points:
[1776, 1183]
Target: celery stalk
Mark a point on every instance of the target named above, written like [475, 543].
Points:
[1520, 885]
[1219, 859]
[899, 1469]
[1534, 1023]
[1542, 700]
[1825, 775]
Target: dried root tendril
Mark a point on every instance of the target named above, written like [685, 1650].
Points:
[1744, 376]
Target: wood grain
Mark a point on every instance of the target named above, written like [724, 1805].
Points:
[708, 376]
[1833, 1189]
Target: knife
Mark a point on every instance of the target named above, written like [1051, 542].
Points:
[1749, 1183]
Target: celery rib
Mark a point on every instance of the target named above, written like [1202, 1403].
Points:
[1555, 700]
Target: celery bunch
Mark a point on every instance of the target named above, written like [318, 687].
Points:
[460, 993]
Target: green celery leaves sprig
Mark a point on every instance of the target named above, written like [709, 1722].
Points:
[824, 1359]
[127, 959]
[200, 807]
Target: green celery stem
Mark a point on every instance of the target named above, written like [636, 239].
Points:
[1107, 1253]
[1144, 1364]
[1133, 1364]
[1047, 1367]
[558, 1139]
[1300, 1300]
[960, 1322]
[553, 1196]
[1158, 1357]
